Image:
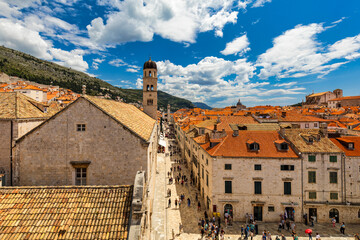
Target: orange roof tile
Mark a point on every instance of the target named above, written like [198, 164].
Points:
[351, 153]
[231, 146]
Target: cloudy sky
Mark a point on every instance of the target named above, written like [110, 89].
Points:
[261, 51]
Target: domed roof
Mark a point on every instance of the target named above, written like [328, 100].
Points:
[150, 64]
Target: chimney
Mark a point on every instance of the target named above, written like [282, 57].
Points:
[215, 127]
[283, 114]
[207, 138]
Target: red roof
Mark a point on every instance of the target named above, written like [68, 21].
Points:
[354, 139]
[231, 146]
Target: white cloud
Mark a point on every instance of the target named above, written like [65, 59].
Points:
[73, 59]
[122, 63]
[16, 36]
[238, 46]
[96, 63]
[177, 20]
[297, 53]
[260, 3]
[289, 84]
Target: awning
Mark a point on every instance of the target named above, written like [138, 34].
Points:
[162, 142]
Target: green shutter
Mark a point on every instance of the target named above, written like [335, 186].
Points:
[312, 195]
[257, 187]
[333, 158]
[334, 196]
[287, 188]
[228, 187]
[333, 177]
[312, 158]
[312, 177]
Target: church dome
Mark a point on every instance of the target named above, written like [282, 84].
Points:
[150, 64]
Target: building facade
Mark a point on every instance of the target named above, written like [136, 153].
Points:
[91, 142]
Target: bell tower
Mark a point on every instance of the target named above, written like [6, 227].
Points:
[150, 88]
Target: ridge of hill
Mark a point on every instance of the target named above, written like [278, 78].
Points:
[202, 105]
[22, 65]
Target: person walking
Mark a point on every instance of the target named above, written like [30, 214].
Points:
[310, 236]
[317, 237]
[283, 237]
[188, 201]
[199, 206]
[169, 203]
[176, 202]
[342, 228]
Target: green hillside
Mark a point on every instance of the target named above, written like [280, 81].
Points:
[15, 63]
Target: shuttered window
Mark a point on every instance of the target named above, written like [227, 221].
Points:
[333, 158]
[312, 158]
[312, 177]
[287, 188]
[257, 187]
[228, 186]
[333, 177]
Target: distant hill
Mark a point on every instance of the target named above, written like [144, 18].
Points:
[202, 105]
[19, 64]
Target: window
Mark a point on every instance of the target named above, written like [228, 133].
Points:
[149, 102]
[333, 158]
[287, 167]
[315, 124]
[202, 172]
[334, 196]
[312, 158]
[80, 176]
[207, 162]
[306, 125]
[227, 166]
[333, 177]
[287, 188]
[312, 195]
[284, 146]
[350, 146]
[271, 209]
[80, 127]
[207, 179]
[257, 187]
[228, 186]
[312, 177]
[254, 147]
[257, 167]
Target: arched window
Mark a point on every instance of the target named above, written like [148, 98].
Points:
[254, 146]
[150, 73]
[152, 88]
[147, 87]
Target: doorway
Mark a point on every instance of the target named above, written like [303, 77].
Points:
[290, 213]
[313, 214]
[258, 213]
[334, 213]
[228, 208]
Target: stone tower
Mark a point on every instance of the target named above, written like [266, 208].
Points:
[150, 88]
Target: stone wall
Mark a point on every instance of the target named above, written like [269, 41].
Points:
[5, 148]
[115, 154]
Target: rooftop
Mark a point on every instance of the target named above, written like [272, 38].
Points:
[355, 152]
[70, 212]
[300, 138]
[128, 115]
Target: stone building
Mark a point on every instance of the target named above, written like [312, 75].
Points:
[322, 171]
[92, 141]
[344, 102]
[150, 88]
[321, 99]
[349, 210]
[18, 115]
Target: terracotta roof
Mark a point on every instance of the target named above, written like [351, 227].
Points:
[209, 124]
[231, 146]
[73, 212]
[347, 139]
[320, 144]
[346, 98]
[296, 117]
[257, 127]
[128, 115]
[226, 121]
[318, 94]
[15, 105]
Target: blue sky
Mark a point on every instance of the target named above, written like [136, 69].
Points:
[265, 52]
